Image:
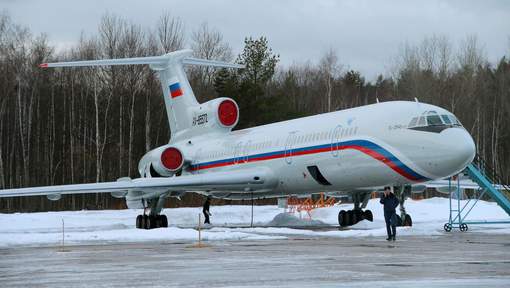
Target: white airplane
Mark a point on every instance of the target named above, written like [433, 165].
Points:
[354, 151]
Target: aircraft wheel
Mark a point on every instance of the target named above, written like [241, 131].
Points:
[447, 227]
[408, 221]
[348, 218]
[367, 215]
[139, 221]
[463, 227]
[164, 221]
[145, 222]
[341, 218]
[153, 222]
[357, 215]
[354, 217]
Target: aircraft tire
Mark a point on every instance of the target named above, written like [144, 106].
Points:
[408, 221]
[164, 221]
[139, 221]
[348, 218]
[150, 222]
[357, 215]
[367, 215]
[341, 218]
[145, 222]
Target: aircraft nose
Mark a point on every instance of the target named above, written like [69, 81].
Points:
[461, 149]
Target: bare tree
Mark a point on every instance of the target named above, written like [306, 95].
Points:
[170, 31]
[329, 69]
[208, 43]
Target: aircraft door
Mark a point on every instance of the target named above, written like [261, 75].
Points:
[289, 144]
[335, 140]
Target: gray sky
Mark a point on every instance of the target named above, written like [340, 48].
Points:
[365, 34]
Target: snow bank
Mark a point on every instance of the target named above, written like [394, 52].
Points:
[95, 227]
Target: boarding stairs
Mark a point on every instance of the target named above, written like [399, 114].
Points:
[489, 182]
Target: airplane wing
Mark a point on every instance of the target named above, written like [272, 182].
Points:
[234, 180]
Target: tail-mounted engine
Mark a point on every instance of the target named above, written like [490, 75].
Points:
[164, 161]
[221, 114]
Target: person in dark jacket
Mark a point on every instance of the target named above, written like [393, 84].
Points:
[390, 202]
[205, 210]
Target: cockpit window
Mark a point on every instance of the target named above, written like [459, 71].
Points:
[431, 121]
[434, 120]
[454, 120]
[422, 122]
[446, 119]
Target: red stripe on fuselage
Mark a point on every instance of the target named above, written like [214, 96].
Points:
[382, 159]
[365, 150]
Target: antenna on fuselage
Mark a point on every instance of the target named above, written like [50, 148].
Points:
[377, 99]
[416, 100]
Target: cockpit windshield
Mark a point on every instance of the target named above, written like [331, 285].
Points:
[429, 119]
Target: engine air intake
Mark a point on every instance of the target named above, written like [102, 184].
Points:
[172, 159]
[228, 113]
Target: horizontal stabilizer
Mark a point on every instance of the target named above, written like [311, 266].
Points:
[181, 56]
[109, 62]
[212, 63]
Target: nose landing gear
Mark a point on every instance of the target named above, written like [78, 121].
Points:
[402, 192]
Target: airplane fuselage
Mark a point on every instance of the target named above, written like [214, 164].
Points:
[363, 147]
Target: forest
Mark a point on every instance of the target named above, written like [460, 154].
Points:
[82, 125]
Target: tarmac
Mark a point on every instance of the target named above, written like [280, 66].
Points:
[451, 260]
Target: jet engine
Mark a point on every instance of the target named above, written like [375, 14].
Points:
[164, 161]
[217, 114]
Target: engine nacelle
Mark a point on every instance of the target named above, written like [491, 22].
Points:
[164, 161]
[217, 114]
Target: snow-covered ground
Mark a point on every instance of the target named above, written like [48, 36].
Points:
[94, 227]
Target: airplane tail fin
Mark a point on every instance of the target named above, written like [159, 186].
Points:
[177, 93]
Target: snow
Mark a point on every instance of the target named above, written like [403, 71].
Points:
[230, 223]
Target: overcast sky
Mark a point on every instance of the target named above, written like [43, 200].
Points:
[366, 35]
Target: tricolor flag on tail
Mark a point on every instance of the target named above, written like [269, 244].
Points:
[175, 90]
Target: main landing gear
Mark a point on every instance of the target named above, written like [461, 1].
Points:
[351, 217]
[151, 221]
[154, 218]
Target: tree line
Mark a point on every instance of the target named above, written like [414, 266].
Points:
[62, 126]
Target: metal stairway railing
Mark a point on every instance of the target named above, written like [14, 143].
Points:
[490, 183]
[488, 178]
